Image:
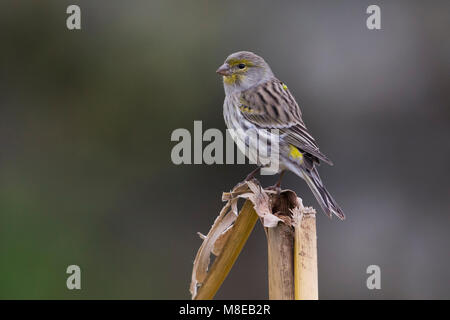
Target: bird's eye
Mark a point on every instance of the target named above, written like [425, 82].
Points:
[241, 66]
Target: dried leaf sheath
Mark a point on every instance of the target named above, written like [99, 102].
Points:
[223, 232]
[236, 238]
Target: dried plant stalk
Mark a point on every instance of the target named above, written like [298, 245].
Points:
[291, 242]
[305, 257]
[234, 243]
[280, 244]
[280, 254]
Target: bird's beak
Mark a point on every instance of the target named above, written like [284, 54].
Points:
[224, 70]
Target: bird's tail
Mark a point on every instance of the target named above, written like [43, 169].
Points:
[326, 201]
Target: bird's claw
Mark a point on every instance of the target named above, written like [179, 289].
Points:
[276, 188]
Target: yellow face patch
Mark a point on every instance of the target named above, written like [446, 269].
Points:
[295, 154]
[231, 79]
[237, 73]
[235, 62]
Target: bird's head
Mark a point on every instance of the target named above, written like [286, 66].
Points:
[243, 70]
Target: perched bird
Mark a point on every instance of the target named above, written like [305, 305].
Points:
[255, 100]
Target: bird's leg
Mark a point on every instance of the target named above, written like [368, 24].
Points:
[252, 174]
[277, 186]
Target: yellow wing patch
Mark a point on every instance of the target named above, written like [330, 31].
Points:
[245, 109]
[295, 154]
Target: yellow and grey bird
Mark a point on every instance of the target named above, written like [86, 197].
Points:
[255, 100]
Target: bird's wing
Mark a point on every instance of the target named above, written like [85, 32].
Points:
[271, 106]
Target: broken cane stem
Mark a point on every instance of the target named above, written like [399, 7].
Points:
[280, 254]
[280, 251]
[305, 258]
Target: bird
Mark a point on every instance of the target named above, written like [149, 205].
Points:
[257, 101]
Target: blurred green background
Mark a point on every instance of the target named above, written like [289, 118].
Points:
[86, 117]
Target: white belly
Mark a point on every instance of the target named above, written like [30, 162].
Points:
[260, 146]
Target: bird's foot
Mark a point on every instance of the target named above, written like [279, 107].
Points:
[252, 174]
[276, 187]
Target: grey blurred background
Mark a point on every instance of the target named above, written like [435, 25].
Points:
[86, 117]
